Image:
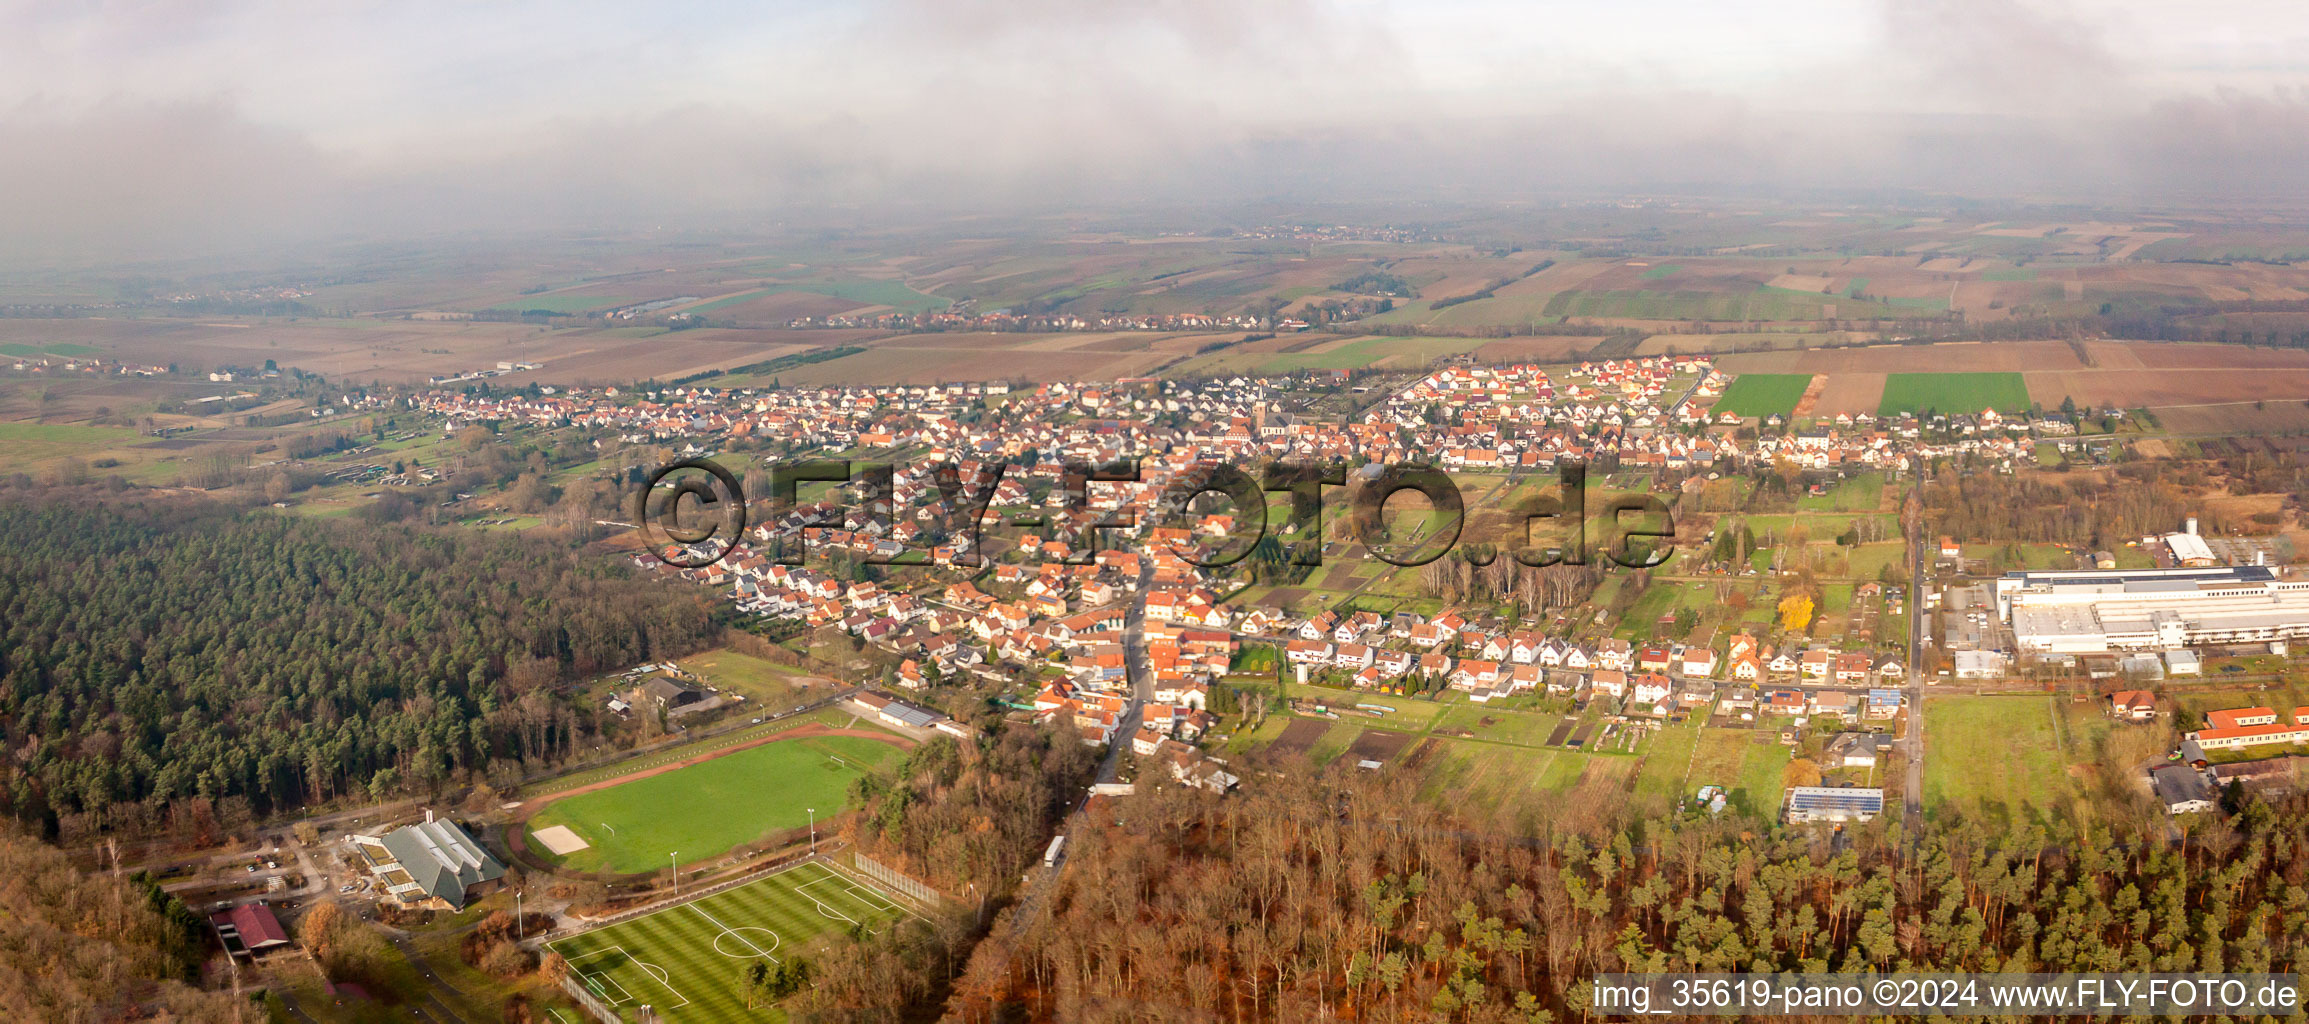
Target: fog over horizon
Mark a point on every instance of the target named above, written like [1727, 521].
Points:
[136, 129]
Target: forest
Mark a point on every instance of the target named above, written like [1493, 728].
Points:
[163, 655]
[970, 819]
[2143, 498]
[1345, 896]
[76, 947]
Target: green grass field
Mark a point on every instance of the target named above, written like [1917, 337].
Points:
[24, 445]
[1763, 394]
[53, 348]
[1953, 393]
[1862, 493]
[705, 809]
[688, 962]
[1998, 755]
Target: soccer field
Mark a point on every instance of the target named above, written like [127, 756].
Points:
[708, 808]
[689, 962]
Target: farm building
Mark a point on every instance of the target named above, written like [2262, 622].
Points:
[249, 929]
[2079, 612]
[431, 860]
[1833, 803]
[667, 694]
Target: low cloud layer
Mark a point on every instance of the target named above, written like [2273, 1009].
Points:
[136, 129]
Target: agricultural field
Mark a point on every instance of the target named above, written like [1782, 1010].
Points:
[937, 358]
[564, 302]
[1758, 395]
[688, 962]
[706, 808]
[409, 351]
[1951, 393]
[1738, 341]
[32, 445]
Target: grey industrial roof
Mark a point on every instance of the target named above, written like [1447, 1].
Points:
[920, 718]
[2140, 581]
[442, 859]
[2179, 784]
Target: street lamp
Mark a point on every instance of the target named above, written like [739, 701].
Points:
[517, 930]
[813, 830]
[675, 858]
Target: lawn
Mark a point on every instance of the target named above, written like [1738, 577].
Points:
[1953, 393]
[1402, 714]
[1522, 728]
[1512, 783]
[1667, 761]
[706, 809]
[1870, 560]
[1750, 771]
[1995, 755]
[770, 685]
[688, 962]
[1862, 493]
[1763, 394]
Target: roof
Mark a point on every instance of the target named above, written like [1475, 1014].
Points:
[1836, 798]
[667, 690]
[442, 859]
[254, 925]
[2177, 784]
[908, 714]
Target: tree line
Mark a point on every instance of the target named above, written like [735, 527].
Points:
[83, 947]
[1345, 896]
[158, 653]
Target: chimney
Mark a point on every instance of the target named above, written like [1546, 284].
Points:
[2191, 529]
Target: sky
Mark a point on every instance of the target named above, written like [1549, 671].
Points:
[134, 127]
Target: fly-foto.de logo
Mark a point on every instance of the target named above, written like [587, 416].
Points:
[695, 512]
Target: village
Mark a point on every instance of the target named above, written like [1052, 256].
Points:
[1034, 597]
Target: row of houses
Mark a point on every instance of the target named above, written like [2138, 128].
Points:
[1359, 643]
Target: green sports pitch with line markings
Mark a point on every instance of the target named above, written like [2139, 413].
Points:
[688, 962]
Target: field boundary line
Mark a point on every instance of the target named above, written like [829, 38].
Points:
[870, 886]
[727, 930]
[595, 924]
